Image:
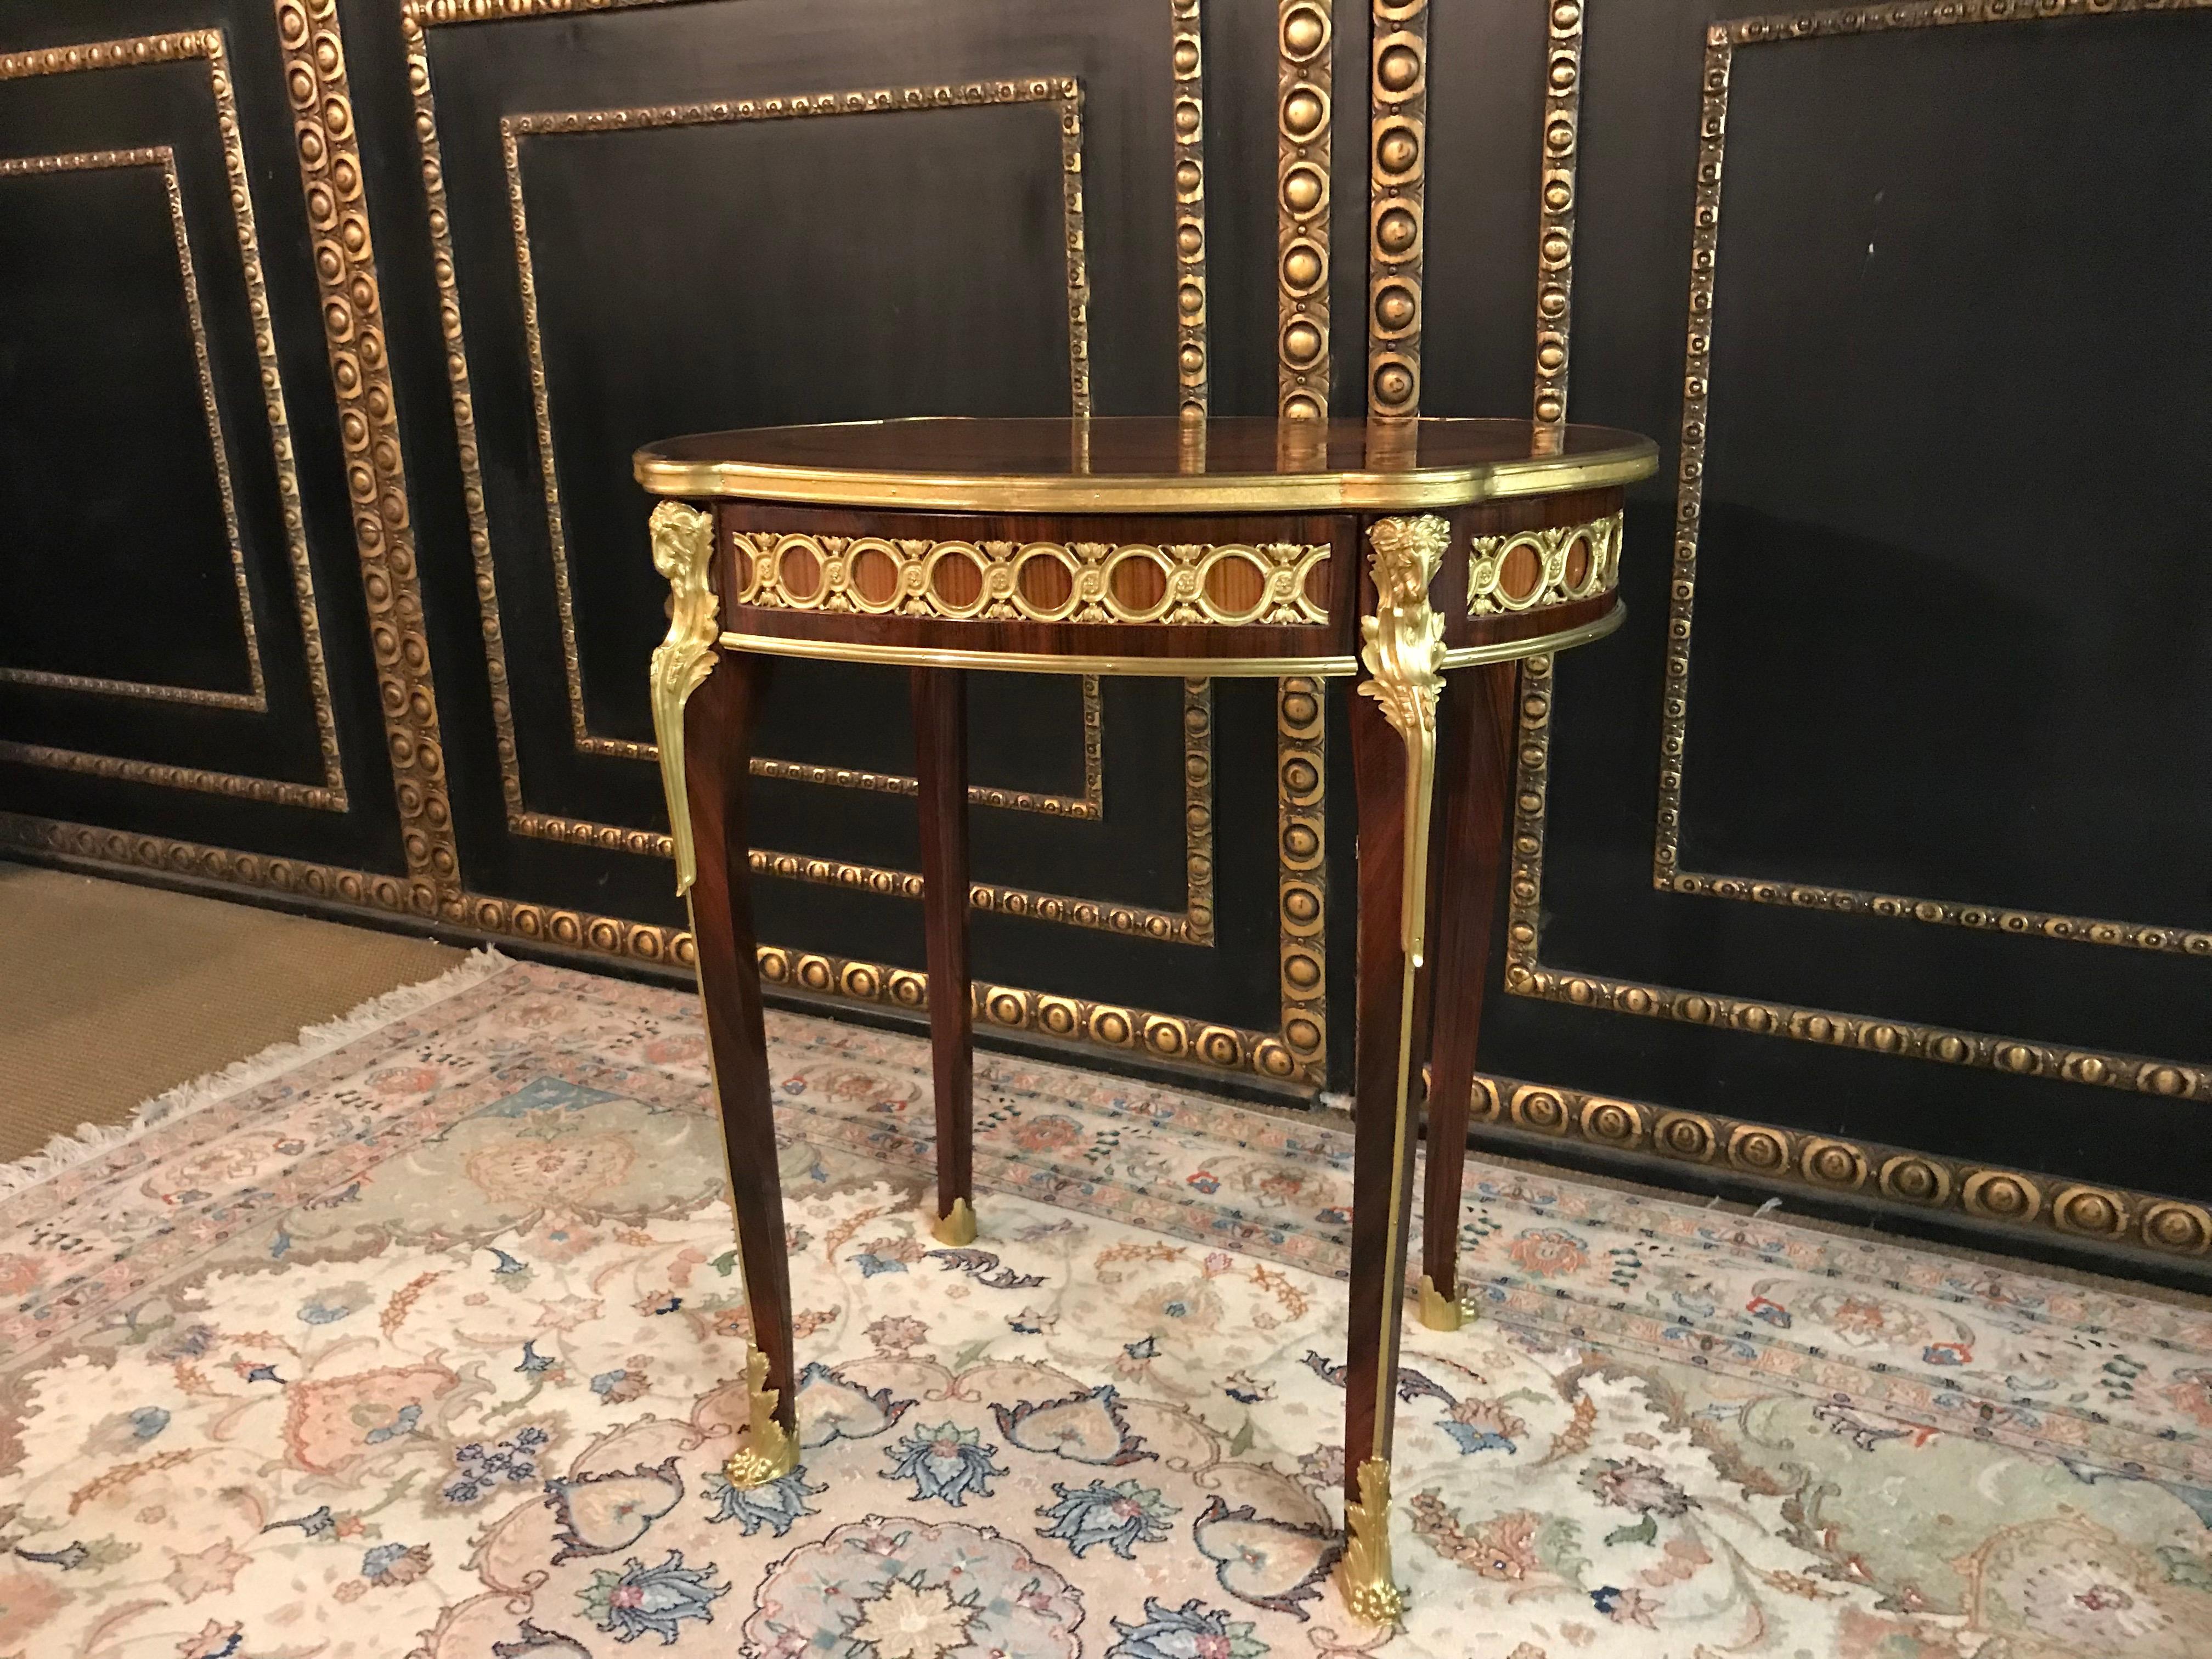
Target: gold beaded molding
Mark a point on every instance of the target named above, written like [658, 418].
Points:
[2009, 1198]
[1138, 1031]
[1767, 1152]
[255, 701]
[1506, 574]
[1667, 873]
[1302, 873]
[328, 152]
[1526, 975]
[913, 577]
[1397, 168]
[1555, 229]
[330, 794]
[1187, 57]
[1304, 83]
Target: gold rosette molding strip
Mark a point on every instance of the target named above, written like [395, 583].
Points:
[1397, 170]
[1304, 88]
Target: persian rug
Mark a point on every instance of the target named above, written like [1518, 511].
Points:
[423, 1339]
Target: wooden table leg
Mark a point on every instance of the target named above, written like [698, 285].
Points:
[940, 764]
[1394, 752]
[704, 706]
[720, 722]
[1475, 768]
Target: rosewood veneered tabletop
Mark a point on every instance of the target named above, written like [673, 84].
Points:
[1422, 560]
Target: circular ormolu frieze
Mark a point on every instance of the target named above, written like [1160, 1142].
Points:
[1681, 1134]
[814, 973]
[1915, 1180]
[1539, 1110]
[1271, 1059]
[1059, 1015]
[1301, 342]
[1300, 906]
[2002, 1195]
[1186, 56]
[1299, 709]
[1615, 1123]
[1301, 842]
[1302, 406]
[2183, 1228]
[1003, 1008]
[1302, 1034]
[1750, 1148]
[860, 981]
[1191, 360]
[1833, 1163]
[2090, 1210]
[1219, 1046]
[1109, 1026]
[1188, 177]
[909, 990]
[1301, 973]
[2167, 1080]
[1303, 267]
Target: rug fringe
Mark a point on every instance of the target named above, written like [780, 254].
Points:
[93, 1140]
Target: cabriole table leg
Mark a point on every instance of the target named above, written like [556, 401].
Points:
[1475, 731]
[1394, 757]
[703, 721]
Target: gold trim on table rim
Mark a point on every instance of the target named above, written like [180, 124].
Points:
[1037, 662]
[1276, 492]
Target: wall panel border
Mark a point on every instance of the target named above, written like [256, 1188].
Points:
[1721, 42]
[205, 45]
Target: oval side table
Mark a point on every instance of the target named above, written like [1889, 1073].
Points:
[1425, 558]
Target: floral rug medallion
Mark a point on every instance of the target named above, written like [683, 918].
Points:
[428, 1344]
